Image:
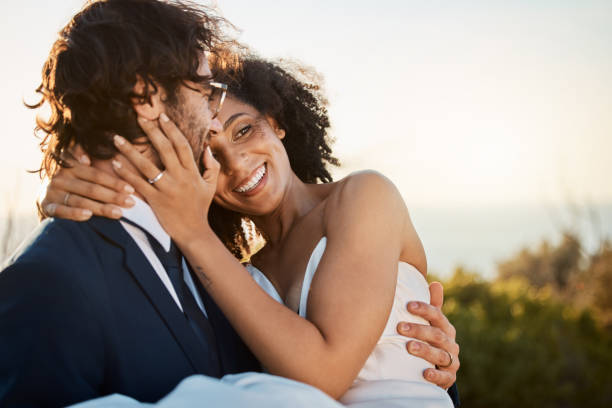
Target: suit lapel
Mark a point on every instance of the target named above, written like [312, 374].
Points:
[223, 331]
[156, 292]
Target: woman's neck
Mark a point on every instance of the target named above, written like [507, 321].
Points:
[299, 199]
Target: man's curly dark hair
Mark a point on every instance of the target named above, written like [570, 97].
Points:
[89, 76]
[292, 95]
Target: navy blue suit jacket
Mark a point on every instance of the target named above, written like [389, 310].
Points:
[83, 314]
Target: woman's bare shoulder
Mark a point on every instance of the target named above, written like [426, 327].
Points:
[361, 187]
[371, 192]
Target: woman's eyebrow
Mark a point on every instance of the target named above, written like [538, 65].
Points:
[232, 119]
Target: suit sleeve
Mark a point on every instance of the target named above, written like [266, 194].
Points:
[51, 346]
[453, 392]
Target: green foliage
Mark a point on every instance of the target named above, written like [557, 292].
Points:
[532, 338]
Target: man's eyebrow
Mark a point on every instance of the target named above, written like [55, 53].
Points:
[232, 119]
[203, 79]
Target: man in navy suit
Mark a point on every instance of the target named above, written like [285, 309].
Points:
[95, 308]
[88, 309]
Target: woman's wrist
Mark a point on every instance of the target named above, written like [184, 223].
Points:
[195, 238]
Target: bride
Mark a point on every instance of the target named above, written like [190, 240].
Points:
[320, 302]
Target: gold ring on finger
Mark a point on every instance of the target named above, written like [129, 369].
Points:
[450, 361]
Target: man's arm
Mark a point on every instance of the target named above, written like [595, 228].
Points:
[50, 344]
[436, 343]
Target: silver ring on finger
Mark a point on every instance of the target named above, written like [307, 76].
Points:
[66, 197]
[156, 178]
[450, 361]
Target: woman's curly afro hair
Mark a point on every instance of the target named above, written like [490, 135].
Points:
[292, 95]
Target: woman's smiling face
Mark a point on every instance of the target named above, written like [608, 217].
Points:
[255, 169]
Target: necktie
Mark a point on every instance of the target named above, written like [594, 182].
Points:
[172, 263]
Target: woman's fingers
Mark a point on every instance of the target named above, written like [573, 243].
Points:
[63, 204]
[103, 179]
[79, 153]
[141, 185]
[138, 160]
[93, 175]
[181, 145]
[211, 167]
[69, 213]
[160, 142]
[99, 209]
[92, 191]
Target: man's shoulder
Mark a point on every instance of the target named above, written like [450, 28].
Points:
[50, 239]
[56, 251]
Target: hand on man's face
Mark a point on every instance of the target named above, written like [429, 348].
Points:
[188, 108]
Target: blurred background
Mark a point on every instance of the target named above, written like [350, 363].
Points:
[493, 119]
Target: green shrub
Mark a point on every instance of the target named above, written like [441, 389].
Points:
[523, 347]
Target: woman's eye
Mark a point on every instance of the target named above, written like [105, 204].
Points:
[243, 131]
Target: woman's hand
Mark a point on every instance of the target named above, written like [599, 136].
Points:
[438, 344]
[80, 191]
[179, 195]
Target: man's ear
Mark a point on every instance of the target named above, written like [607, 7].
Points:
[149, 110]
[277, 129]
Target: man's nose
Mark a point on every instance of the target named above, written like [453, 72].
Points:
[215, 125]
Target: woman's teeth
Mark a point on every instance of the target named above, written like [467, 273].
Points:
[253, 182]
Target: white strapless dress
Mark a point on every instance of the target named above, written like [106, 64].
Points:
[391, 377]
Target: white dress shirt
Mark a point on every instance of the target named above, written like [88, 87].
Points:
[142, 215]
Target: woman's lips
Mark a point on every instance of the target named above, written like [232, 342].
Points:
[254, 183]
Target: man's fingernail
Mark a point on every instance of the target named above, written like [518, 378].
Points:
[84, 159]
[163, 117]
[116, 164]
[118, 140]
[413, 305]
[116, 212]
[86, 213]
[129, 189]
[415, 346]
[405, 326]
[129, 201]
[50, 209]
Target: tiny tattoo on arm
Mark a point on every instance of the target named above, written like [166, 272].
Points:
[203, 277]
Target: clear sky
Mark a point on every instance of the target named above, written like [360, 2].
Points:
[461, 103]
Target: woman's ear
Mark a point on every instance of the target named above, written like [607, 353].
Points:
[152, 108]
[280, 132]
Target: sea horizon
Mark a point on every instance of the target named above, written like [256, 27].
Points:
[475, 238]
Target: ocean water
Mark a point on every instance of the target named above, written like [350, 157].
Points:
[476, 238]
[479, 238]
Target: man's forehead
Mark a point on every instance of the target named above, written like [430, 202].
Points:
[203, 68]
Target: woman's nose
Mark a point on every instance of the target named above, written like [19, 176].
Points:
[235, 163]
[215, 125]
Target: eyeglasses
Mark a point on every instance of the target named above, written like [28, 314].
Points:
[216, 97]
